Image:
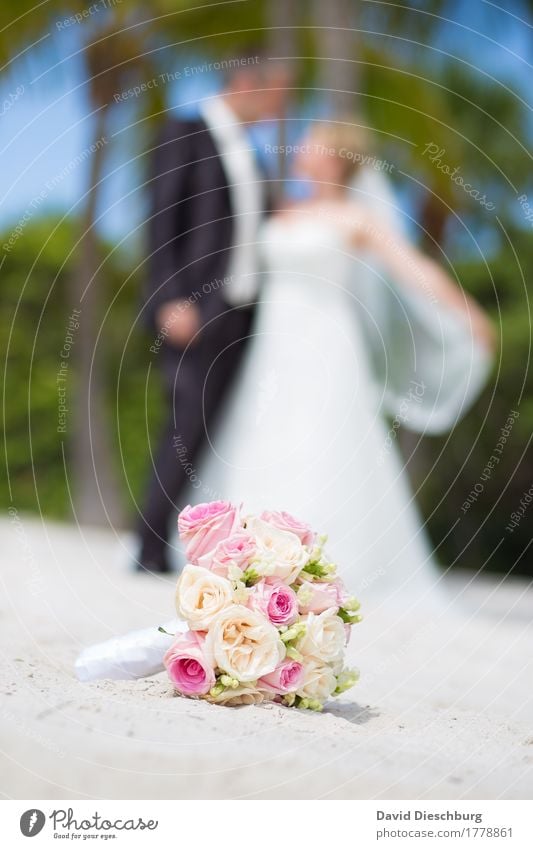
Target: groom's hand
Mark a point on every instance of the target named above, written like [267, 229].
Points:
[179, 322]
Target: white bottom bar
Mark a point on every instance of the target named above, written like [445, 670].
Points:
[262, 824]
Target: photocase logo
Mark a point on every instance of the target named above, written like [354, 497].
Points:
[32, 822]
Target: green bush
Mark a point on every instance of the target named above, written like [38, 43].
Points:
[35, 305]
[458, 461]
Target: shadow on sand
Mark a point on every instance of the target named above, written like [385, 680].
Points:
[352, 712]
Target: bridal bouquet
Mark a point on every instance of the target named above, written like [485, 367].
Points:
[267, 617]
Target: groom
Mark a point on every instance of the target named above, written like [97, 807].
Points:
[208, 198]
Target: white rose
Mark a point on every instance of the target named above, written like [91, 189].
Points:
[279, 553]
[201, 595]
[319, 680]
[244, 644]
[338, 665]
[324, 636]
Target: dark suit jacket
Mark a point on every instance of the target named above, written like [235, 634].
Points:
[190, 231]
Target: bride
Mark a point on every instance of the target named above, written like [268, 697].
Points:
[354, 326]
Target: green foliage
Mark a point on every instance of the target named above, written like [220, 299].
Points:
[35, 306]
[455, 466]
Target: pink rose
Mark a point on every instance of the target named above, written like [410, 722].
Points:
[343, 596]
[274, 600]
[187, 666]
[203, 526]
[237, 550]
[285, 522]
[315, 597]
[286, 678]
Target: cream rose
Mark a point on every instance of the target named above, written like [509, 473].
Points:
[243, 695]
[319, 680]
[244, 644]
[324, 636]
[279, 553]
[201, 595]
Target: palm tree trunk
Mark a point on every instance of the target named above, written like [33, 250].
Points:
[95, 489]
[433, 218]
[282, 20]
[337, 48]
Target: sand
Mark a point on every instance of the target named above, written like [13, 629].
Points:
[443, 709]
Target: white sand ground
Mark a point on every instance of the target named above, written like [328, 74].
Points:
[443, 709]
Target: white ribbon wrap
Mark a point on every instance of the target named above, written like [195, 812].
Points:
[137, 654]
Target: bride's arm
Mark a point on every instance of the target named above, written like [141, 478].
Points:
[409, 267]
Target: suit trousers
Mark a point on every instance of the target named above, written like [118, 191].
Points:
[196, 381]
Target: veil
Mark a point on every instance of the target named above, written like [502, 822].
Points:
[417, 346]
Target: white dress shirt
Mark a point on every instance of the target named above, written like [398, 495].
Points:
[247, 194]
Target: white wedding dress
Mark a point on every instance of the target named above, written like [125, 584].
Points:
[335, 349]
